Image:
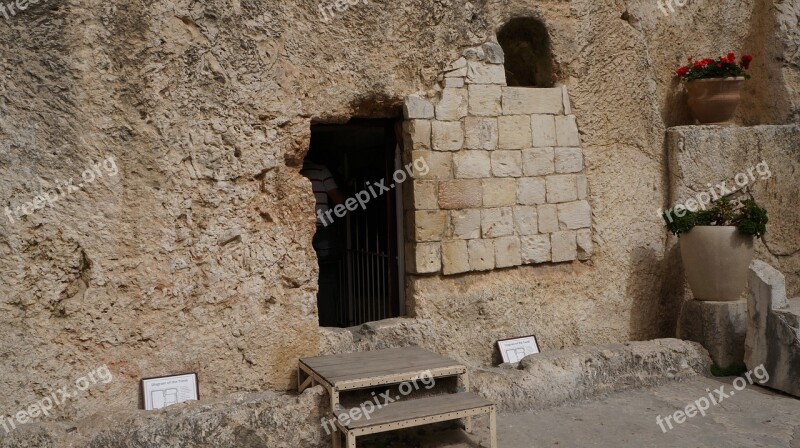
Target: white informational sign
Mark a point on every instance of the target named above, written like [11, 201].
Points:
[166, 390]
[513, 350]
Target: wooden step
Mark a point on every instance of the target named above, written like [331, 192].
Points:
[420, 411]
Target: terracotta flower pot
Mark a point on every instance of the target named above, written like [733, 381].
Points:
[714, 100]
[716, 260]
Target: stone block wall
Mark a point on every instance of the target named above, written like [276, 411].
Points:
[504, 184]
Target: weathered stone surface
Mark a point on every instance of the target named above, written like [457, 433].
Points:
[455, 258]
[426, 225]
[514, 132]
[416, 107]
[497, 222]
[507, 163]
[452, 105]
[479, 73]
[507, 252]
[494, 53]
[484, 100]
[564, 246]
[773, 329]
[525, 100]
[480, 133]
[447, 135]
[452, 83]
[458, 194]
[561, 188]
[538, 161]
[583, 186]
[499, 192]
[720, 327]
[466, 223]
[568, 160]
[471, 164]
[531, 191]
[423, 258]
[417, 134]
[439, 165]
[567, 131]
[526, 221]
[585, 244]
[481, 254]
[544, 130]
[425, 195]
[548, 218]
[535, 248]
[574, 215]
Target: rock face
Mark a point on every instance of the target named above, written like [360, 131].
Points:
[773, 329]
[196, 254]
[720, 327]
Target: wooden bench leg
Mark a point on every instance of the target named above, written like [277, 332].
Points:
[351, 440]
[464, 380]
[337, 438]
[493, 429]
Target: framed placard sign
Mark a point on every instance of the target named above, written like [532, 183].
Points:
[513, 350]
[160, 392]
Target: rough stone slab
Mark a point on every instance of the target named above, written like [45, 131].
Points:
[452, 83]
[417, 134]
[466, 224]
[484, 100]
[544, 131]
[481, 133]
[424, 193]
[567, 106]
[564, 246]
[455, 259]
[535, 249]
[499, 192]
[507, 252]
[439, 165]
[561, 188]
[720, 327]
[426, 225]
[479, 73]
[471, 164]
[416, 107]
[458, 194]
[574, 215]
[452, 105]
[568, 160]
[548, 218]
[583, 186]
[538, 161]
[531, 191]
[773, 329]
[526, 220]
[585, 244]
[481, 254]
[567, 131]
[514, 132]
[497, 222]
[507, 163]
[447, 135]
[423, 258]
[493, 52]
[526, 100]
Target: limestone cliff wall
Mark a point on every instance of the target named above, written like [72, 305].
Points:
[196, 255]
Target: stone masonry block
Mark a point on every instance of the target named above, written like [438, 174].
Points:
[481, 255]
[564, 246]
[526, 100]
[507, 163]
[480, 133]
[567, 131]
[535, 249]
[548, 218]
[423, 258]
[480, 73]
[562, 188]
[526, 220]
[416, 107]
[538, 161]
[471, 164]
[585, 245]
[466, 224]
[452, 83]
[514, 132]
[426, 225]
[575, 215]
[531, 191]
[544, 130]
[497, 222]
[569, 160]
[458, 194]
[494, 53]
[583, 186]
[507, 252]
[484, 100]
[417, 135]
[447, 135]
[425, 195]
[455, 258]
[439, 165]
[452, 105]
[720, 327]
[499, 192]
[567, 106]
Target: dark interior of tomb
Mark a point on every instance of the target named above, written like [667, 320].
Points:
[528, 56]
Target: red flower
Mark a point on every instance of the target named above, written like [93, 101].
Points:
[681, 72]
[746, 60]
[731, 58]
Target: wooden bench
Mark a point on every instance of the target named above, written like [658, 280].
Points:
[354, 371]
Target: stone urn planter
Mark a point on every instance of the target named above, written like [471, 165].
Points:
[715, 100]
[716, 260]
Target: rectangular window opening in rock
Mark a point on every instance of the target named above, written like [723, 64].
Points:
[357, 244]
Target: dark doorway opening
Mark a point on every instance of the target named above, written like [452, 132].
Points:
[361, 279]
[528, 56]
